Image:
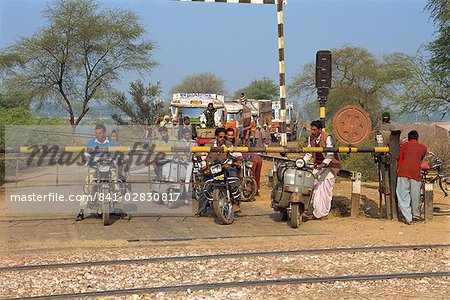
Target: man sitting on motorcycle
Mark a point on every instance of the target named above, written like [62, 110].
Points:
[255, 158]
[100, 140]
[160, 157]
[213, 157]
[326, 167]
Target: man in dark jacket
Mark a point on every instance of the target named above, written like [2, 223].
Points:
[209, 115]
[409, 178]
[254, 157]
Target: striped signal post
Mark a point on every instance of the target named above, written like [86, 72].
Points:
[280, 26]
[280, 19]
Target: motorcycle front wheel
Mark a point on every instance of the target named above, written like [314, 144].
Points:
[171, 202]
[249, 189]
[222, 207]
[106, 208]
[296, 215]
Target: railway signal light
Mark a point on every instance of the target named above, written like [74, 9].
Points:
[323, 72]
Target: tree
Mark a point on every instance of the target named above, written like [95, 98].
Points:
[427, 87]
[358, 78]
[440, 47]
[8, 62]
[420, 92]
[144, 108]
[21, 116]
[11, 95]
[80, 53]
[259, 89]
[201, 83]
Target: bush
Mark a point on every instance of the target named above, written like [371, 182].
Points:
[19, 116]
[363, 162]
[442, 149]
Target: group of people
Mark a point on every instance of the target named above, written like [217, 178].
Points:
[326, 164]
[229, 139]
[260, 137]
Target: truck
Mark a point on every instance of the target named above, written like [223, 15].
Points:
[291, 121]
[239, 117]
[260, 112]
[193, 105]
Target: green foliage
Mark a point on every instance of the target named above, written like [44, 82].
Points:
[79, 54]
[144, 108]
[360, 162]
[358, 78]
[420, 91]
[259, 89]
[363, 163]
[11, 94]
[201, 83]
[427, 89]
[440, 47]
[8, 62]
[21, 116]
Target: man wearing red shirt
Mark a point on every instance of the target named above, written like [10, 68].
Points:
[409, 178]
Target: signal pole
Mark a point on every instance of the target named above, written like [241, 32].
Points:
[280, 19]
[323, 80]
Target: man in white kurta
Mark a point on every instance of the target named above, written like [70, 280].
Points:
[325, 170]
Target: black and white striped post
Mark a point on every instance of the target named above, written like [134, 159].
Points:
[280, 20]
[279, 3]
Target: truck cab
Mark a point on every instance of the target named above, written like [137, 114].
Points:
[193, 105]
[238, 116]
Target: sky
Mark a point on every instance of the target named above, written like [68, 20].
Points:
[238, 42]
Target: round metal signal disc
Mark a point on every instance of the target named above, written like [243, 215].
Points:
[352, 125]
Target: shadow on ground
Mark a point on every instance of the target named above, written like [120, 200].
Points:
[342, 206]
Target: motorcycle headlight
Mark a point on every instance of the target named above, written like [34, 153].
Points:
[215, 169]
[104, 168]
[249, 164]
[300, 163]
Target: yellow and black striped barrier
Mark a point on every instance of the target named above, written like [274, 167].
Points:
[194, 149]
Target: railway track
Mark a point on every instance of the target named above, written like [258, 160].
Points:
[214, 284]
[234, 284]
[223, 255]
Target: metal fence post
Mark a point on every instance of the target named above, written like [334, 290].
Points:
[429, 195]
[356, 194]
[17, 171]
[57, 175]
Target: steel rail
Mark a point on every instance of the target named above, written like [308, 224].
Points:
[223, 255]
[236, 284]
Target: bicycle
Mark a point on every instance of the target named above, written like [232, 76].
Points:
[430, 176]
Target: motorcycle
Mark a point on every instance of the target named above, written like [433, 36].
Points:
[248, 183]
[196, 177]
[104, 187]
[174, 181]
[291, 194]
[222, 189]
